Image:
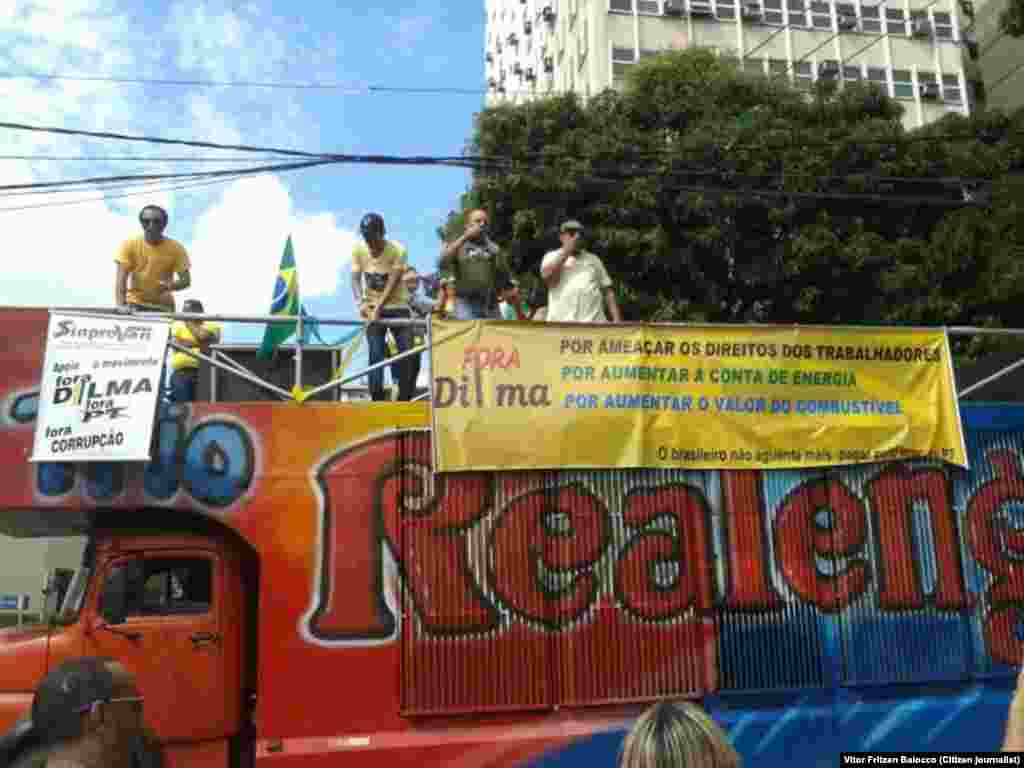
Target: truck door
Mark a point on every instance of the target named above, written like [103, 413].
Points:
[172, 642]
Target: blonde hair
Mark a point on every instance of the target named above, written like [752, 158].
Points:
[677, 735]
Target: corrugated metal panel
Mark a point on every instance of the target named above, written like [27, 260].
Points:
[591, 587]
[991, 501]
[650, 631]
[910, 624]
[771, 634]
[458, 652]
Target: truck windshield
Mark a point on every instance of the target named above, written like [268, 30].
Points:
[33, 566]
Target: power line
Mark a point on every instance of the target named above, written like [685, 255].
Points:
[132, 158]
[837, 34]
[80, 201]
[353, 89]
[1005, 77]
[161, 176]
[157, 140]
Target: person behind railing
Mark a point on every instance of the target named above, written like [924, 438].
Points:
[196, 335]
[146, 266]
[512, 305]
[480, 268]
[422, 307]
[677, 735]
[380, 263]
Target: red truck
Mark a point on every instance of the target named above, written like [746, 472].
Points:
[293, 585]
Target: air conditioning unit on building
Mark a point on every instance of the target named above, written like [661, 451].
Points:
[928, 90]
[751, 12]
[921, 28]
[549, 65]
[527, 27]
[530, 74]
[846, 22]
[517, 68]
[700, 8]
[828, 70]
[548, 13]
[674, 7]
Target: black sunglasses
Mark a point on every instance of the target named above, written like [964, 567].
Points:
[147, 221]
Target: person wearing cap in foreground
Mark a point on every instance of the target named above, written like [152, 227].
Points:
[88, 713]
[579, 288]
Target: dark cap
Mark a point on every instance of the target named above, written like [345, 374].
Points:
[571, 226]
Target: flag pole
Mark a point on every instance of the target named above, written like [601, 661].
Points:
[298, 351]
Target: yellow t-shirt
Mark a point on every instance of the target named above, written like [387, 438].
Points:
[147, 265]
[184, 336]
[376, 271]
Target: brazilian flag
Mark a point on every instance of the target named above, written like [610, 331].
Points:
[285, 303]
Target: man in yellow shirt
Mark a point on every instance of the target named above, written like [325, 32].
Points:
[196, 335]
[377, 268]
[146, 266]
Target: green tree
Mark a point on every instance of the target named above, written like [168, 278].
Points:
[715, 195]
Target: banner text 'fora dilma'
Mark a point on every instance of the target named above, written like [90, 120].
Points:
[99, 388]
[550, 396]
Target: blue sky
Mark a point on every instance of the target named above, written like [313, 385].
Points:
[234, 232]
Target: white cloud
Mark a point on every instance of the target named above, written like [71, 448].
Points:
[239, 241]
[235, 234]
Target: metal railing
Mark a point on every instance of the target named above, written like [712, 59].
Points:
[299, 394]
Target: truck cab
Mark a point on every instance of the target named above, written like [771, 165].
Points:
[175, 604]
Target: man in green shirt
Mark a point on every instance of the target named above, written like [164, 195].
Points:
[480, 269]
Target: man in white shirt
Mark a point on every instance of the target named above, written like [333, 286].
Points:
[579, 287]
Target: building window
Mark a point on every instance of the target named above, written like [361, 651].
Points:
[620, 6]
[648, 7]
[895, 24]
[878, 76]
[804, 75]
[622, 60]
[951, 88]
[772, 11]
[821, 15]
[902, 84]
[870, 16]
[646, 53]
[726, 9]
[851, 73]
[797, 15]
[943, 24]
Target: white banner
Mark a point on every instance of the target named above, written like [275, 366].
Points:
[101, 379]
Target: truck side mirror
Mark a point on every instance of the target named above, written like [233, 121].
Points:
[120, 588]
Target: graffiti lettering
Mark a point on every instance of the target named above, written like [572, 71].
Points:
[896, 490]
[839, 537]
[545, 545]
[215, 462]
[663, 572]
[999, 547]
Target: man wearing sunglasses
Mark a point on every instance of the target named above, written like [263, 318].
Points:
[147, 265]
[579, 288]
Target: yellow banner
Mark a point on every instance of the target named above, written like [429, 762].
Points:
[547, 395]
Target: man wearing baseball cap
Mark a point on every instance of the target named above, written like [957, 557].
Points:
[579, 288]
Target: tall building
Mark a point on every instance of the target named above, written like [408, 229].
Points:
[911, 47]
[1000, 58]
